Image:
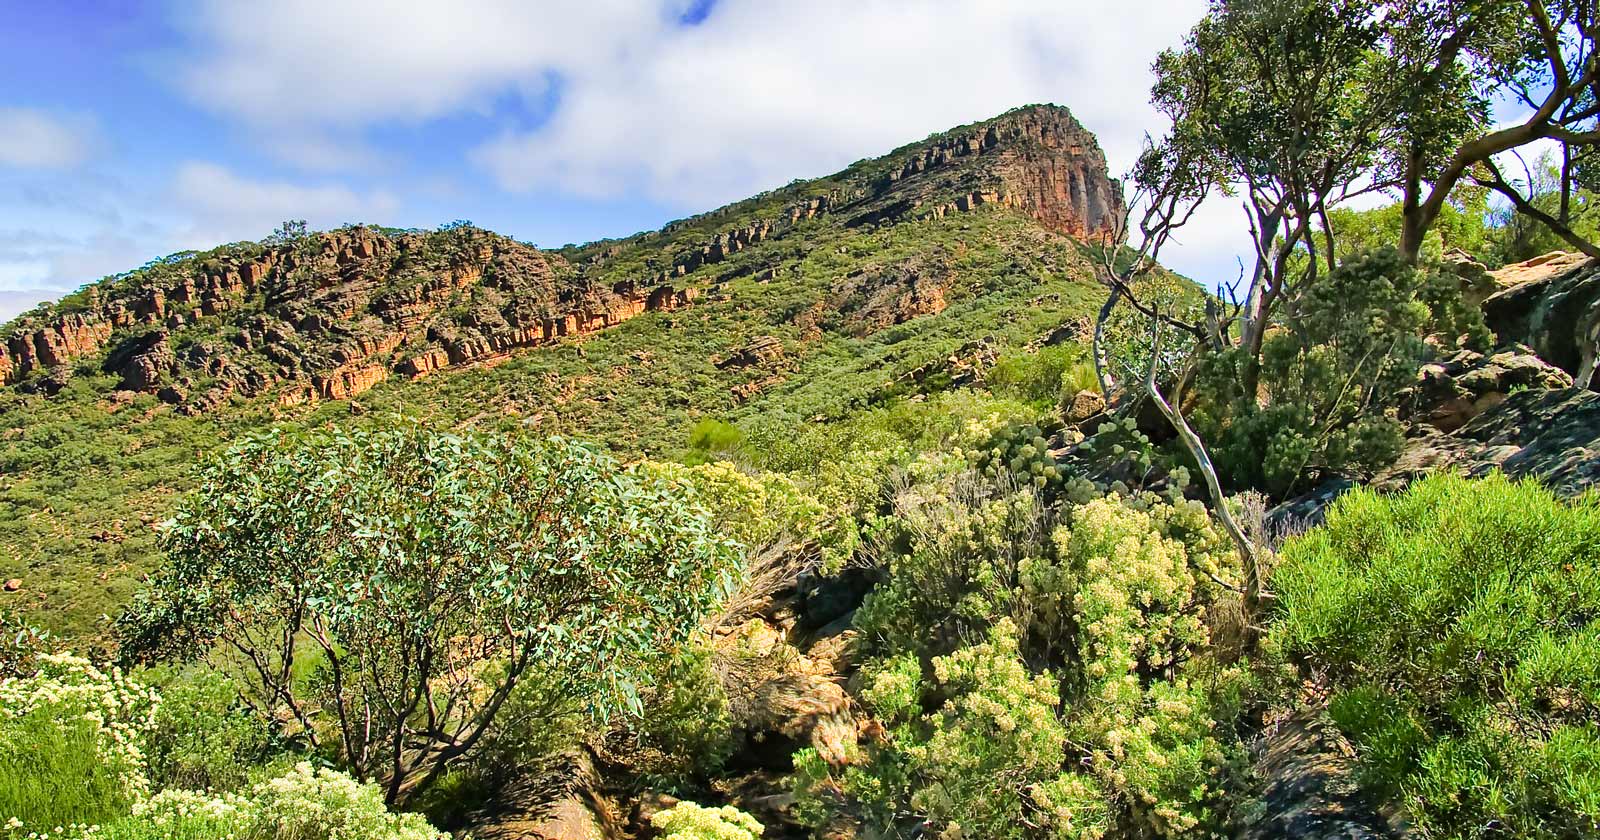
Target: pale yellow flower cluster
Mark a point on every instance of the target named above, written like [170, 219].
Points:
[305, 802]
[688, 821]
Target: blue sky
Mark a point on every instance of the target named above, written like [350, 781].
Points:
[130, 130]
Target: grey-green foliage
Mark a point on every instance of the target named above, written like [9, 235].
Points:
[1019, 452]
[394, 585]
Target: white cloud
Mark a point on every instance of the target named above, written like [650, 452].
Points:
[758, 94]
[34, 139]
[226, 206]
[14, 303]
[762, 93]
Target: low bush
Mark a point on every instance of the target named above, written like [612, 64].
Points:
[1458, 628]
[72, 743]
[84, 752]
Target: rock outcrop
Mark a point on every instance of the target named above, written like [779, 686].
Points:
[1552, 304]
[327, 317]
[1552, 435]
[1451, 392]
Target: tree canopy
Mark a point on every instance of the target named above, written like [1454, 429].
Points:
[382, 592]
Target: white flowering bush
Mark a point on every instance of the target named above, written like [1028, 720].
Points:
[74, 744]
[688, 821]
[72, 741]
[306, 803]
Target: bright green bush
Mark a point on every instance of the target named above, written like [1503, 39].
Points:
[688, 821]
[710, 438]
[756, 509]
[1458, 625]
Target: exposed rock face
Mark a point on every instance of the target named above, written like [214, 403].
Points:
[1552, 435]
[328, 317]
[1054, 169]
[760, 352]
[1037, 159]
[873, 301]
[1451, 392]
[1552, 304]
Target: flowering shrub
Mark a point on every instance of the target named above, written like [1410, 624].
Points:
[74, 747]
[72, 741]
[303, 804]
[1087, 707]
[688, 821]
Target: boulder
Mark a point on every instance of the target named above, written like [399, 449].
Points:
[1551, 304]
[560, 801]
[1310, 788]
[1082, 407]
[1306, 510]
[143, 362]
[1453, 391]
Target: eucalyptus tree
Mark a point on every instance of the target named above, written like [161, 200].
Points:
[382, 593]
[1454, 59]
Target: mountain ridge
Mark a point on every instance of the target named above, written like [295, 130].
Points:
[330, 315]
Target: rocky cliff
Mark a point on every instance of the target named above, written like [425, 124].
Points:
[325, 317]
[329, 315]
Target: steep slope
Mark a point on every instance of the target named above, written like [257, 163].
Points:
[800, 304]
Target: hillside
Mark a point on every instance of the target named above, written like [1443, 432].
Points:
[805, 302]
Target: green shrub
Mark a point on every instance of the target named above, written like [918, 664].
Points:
[710, 438]
[202, 738]
[756, 509]
[373, 553]
[1019, 452]
[1327, 378]
[1458, 625]
[1041, 377]
[686, 728]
